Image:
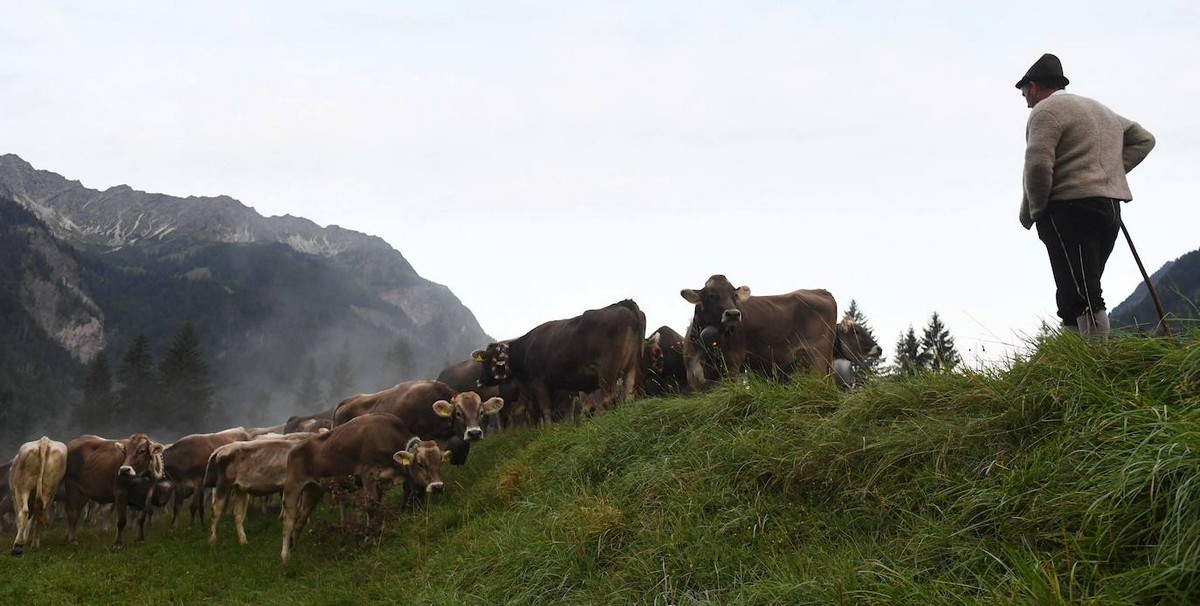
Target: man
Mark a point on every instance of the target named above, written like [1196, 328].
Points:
[1076, 156]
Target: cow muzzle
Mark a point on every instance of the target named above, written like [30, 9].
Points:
[126, 470]
[731, 317]
[875, 352]
[474, 433]
[435, 488]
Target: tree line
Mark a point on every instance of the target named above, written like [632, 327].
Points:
[933, 351]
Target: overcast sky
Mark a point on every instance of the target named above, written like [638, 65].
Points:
[544, 158]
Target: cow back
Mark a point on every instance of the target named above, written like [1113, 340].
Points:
[411, 401]
[185, 460]
[365, 442]
[572, 354]
[795, 330]
[92, 464]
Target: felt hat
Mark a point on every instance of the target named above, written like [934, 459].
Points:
[1046, 70]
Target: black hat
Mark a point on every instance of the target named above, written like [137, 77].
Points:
[1047, 70]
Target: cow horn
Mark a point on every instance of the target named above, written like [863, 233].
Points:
[412, 444]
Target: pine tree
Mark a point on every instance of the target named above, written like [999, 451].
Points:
[95, 413]
[938, 345]
[871, 367]
[308, 395]
[186, 388]
[400, 360]
[341, 383]
[138, 390]
[910, 358]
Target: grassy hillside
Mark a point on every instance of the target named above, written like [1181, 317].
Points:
[1070, 476]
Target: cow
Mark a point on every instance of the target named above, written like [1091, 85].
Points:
[101, 470]
[431, 409]
[309, 423]
[664, 368]
[247, 469]
[7, 512]
[375, 449]
[598, 353]
[732, 331]
[185, 461]
[852, 345]
[464, 376]
[258, 431]
[33, 479]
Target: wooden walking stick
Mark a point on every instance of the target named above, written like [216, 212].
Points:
[1162, 315]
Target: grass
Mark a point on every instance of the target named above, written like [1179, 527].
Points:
[1067, 476]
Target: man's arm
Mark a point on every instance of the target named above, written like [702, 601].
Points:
[1138, 143]
[1041, 138]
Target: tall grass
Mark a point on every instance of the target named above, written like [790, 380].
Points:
[1067, 476]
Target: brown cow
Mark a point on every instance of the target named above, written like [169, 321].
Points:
[774, 336]
[853, 344]
[101, 470]
[375, 449]
[598, 352]
[310, 423]
[664, 367]
[464, 376]
[244, 469]
[185, 461]
[431, 409]
[33, 478]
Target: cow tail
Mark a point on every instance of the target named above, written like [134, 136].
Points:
[639, 378]
[214, 469]
[41, 513]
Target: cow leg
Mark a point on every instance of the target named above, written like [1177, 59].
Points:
[75, 502]
[120, 507]
[241, 502]
[197, 507]
[291, 506]
[21, 504]
[542, 404]
[177, 503]
[143, 517]
[218, 507]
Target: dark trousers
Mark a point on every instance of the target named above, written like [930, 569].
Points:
[1079, 236]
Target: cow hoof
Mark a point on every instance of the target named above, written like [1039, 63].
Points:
[115, 548]
[18, 550]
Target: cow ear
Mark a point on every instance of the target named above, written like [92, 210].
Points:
[156, 449]
[477, 355]
[655, 339]
[443, 408]
[743, 293]
[493, 405]
[690, 295]
[404, 458]
[120, 446]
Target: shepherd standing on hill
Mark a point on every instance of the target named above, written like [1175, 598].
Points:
[1076, 156]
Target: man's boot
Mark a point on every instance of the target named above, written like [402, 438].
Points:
[1093, 324]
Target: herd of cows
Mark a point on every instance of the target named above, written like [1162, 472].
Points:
[368, 442]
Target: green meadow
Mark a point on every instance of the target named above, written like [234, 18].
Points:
[1066, 476]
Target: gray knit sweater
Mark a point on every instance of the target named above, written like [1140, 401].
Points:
[1077, 148]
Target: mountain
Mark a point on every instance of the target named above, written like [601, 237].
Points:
[1178, 286]
[269, 297]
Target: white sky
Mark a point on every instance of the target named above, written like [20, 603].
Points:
[543, 158]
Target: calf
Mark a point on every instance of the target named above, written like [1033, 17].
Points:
[102, 470]
[33, 478]
[241, 470]
[431, 409]
[598, 353]
[185, 461]
[374, 449]
[732, 331]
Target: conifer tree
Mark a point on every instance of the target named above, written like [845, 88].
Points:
[95, 413]
[938, 345]
[910, 358]
[341, 383]
[309, 396]
[138, 389]
[186, 387]
[400, 360]
[871, 367]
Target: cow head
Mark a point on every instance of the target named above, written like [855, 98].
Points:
[652, 353]
[422, 461]
[717, 304]
[467, 411]
[854, 343]
[494, 359]
[141, 456]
